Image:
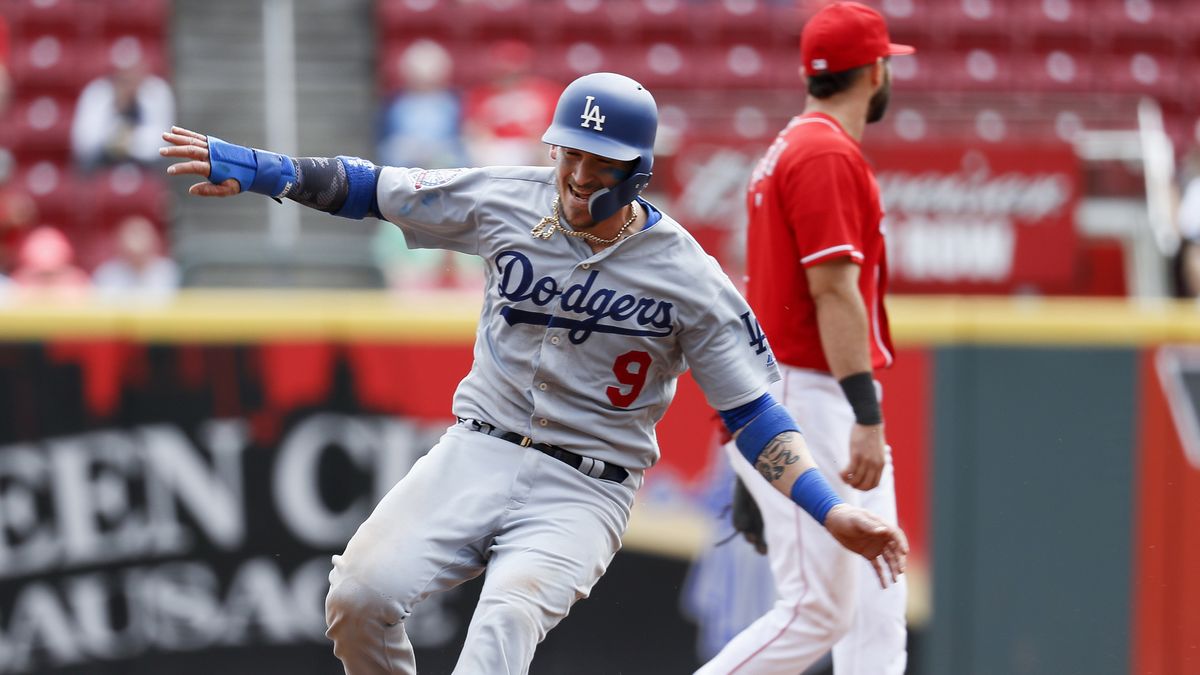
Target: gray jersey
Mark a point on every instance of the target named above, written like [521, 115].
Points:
[575, 348]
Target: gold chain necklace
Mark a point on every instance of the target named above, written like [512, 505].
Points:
[547, 226]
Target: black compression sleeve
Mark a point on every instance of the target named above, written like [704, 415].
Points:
[322, 184]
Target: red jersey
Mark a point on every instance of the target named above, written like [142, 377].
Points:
[812, 199]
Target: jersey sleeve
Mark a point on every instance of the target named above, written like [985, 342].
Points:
[823, 199]
[727, 350]
[434, 208]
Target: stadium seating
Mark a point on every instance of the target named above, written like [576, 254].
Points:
[55, 48]
[1046, 48]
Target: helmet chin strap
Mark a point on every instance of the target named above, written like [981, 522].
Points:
[599, 207]
[606, 202]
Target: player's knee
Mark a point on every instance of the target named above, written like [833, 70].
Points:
[351, 605]
[512, 614]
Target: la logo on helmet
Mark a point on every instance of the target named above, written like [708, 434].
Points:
[591, 115]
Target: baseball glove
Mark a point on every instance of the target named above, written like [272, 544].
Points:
[747, 518]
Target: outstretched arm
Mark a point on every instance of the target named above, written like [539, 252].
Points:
[768, 438]
[343, 186]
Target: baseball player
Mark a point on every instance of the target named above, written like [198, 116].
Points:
[596, 302]
[816, 277]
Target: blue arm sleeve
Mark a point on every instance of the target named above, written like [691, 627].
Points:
[361, 199]
[760, 421]
[742, 415]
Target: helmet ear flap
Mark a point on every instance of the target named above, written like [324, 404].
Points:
[603, 204]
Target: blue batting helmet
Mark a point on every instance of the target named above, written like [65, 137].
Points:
[612, 116]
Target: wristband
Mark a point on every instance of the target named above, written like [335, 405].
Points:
[258, 171]
[859, 389]
[813, 494]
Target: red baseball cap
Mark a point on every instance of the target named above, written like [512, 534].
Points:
[845, 35]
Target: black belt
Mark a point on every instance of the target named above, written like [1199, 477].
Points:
[586, 465]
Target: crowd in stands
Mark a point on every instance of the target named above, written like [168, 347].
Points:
[84, 97]
[430, 123]
[986, 71]
[85, 91]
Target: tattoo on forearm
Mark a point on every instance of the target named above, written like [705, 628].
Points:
[779, 453]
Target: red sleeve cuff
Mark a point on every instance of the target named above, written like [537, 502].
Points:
[840, 251]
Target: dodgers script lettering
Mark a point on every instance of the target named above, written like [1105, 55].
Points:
[518, 282]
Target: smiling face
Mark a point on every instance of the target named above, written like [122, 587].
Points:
[579, 175]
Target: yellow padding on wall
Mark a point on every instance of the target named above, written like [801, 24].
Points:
[246, 315]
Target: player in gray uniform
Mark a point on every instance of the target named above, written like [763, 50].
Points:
[596, 301]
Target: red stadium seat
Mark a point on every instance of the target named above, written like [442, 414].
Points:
[49, 64]
[918, 72]
[663, 19]
[1187, 23]
[977, 70]
[729, 21]
[409, 19]
[471, 62]
[42, 130]
[785, 20]
[1061, 22]
[602, 21]
[149, 19]
[972, 18]
[68, 18]
[566, 61]
[127, 190]
[1055, 70]
[56, 193]
[1149, 73]
[499, 19]
[665, 65]
[126, 49]
[1145, 19]
[744, 65]
[991, 125]
[907, 19]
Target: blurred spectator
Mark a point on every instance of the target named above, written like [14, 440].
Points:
[505, 118]
[4, 40]
[421, 125]
[138, 269]
[6, 97]
[422, 269]
[18, 212]
[6, 88]
[1187, 261]
[119, 117]
[46, 267]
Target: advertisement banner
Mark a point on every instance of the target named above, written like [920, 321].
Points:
[174, 508]
[979, 218]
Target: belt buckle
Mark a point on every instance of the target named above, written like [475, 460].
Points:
[526, 441]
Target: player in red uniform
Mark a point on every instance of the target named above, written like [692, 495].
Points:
[817, 273]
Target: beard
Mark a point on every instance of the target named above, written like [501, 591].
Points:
[878, 104]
